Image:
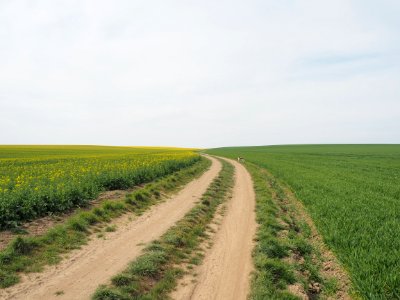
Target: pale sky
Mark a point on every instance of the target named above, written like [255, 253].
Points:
[199, 73]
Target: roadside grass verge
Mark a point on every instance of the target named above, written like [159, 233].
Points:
[155, 273]
[290, 259]
[31, 254]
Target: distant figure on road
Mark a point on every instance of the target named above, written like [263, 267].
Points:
[240, 159]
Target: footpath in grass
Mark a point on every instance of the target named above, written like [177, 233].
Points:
[155, 273]
[31, 254]
[352, 193]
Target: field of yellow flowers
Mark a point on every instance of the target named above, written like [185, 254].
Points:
[40, 180]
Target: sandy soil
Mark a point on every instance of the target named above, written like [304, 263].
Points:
[78, 276]
[225, 272]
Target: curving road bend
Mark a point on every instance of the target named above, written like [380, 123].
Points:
[227, 266]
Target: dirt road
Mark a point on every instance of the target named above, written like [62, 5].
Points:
[225, 272]
[78, 276]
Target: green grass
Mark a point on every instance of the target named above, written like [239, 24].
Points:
[352, 193]
[40, 180]
[154, 274]
[30, 254]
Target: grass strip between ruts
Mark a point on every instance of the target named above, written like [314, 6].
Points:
[154, 274]
[31, 254]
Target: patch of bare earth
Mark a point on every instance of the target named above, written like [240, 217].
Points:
[226, 269]
[298, 290]
[79, 274]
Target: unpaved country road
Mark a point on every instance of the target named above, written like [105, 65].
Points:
[225, 272]
[78, 276]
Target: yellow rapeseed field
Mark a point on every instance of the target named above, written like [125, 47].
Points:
[37, 180]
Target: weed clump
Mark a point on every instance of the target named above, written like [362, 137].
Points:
[7, 279]
[23, 246]
[149, 264]
[108, 294]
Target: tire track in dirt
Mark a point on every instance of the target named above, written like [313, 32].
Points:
[227, 266]
[78, 276]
